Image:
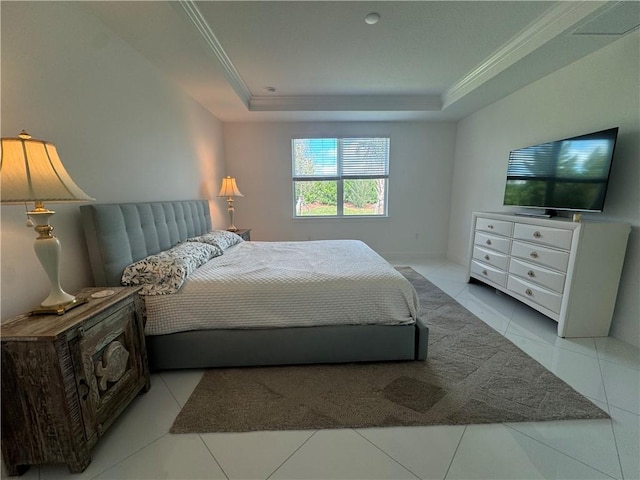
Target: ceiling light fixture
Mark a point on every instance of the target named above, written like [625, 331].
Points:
[372, 18]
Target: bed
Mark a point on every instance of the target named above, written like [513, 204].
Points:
[119, 235]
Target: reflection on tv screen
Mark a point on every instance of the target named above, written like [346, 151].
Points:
[566, 174]
[583, 196]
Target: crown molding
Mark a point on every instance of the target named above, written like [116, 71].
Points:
[328, 103]
[232, 75]
[301, 103]
[553, 23]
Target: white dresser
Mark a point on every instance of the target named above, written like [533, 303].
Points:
[569, 271]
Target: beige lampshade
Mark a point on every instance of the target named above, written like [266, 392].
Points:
[31, 170]
[229, 188]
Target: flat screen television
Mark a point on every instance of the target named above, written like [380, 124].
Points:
[569, 174]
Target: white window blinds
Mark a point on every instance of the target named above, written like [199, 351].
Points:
[365, 157]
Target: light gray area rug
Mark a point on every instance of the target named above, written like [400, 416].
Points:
[472, 375]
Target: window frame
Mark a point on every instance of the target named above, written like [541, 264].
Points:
[340, 177]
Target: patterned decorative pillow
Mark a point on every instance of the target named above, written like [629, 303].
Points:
[220, 238]
[166, 272]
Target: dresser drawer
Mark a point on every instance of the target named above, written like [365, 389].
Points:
[499, 227]
[494, 242]
[541, 276]
[541, 296]
[568, 271]
[548, 257]
[498, 260]
[483, 271]
[552, 237]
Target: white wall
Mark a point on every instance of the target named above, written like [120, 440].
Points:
[597, 92]
[123, 132]
[259, 156]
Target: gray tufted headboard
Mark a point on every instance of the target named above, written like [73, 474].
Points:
[119, 234]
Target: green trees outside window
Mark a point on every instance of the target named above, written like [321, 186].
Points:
[340, 176]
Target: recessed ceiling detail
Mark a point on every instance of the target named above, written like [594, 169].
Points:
[552, 24]
[346, 103]
[427, 60]
[617, 19]
[207, 34]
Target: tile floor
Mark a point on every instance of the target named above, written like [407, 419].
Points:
[605, 370]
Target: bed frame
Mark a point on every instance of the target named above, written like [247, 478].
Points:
[120, 234]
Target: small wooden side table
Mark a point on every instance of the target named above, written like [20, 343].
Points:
[245, 233]
[66, 378]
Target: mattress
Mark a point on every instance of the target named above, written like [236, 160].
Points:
[287, 284]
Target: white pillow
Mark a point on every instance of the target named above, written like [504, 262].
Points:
[220, 238]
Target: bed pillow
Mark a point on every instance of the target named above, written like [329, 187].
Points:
[166, 272]
[220, 238]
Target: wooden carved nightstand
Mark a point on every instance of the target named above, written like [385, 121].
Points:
[245, 233]
[66, 378]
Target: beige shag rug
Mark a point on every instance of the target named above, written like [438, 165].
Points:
[472, 375]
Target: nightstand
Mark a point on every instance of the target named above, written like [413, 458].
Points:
[66, 378]
[245, 233]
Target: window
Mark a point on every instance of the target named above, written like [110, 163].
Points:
[340, 176]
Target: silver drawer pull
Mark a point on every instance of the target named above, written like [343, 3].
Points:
[484, 272]
[534, 254]
[531, 273]
[529, 292]
[490, 226]
[488, 242]
[537, 234]
[486, 257]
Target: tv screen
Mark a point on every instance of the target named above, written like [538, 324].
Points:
[568, 174]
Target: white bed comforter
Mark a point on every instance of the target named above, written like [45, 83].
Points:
[287, 284]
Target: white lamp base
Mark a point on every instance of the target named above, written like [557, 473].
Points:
[230, 209]
[59, 309]
[47, 248]
[48, 252]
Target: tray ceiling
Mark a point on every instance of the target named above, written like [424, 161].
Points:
[299, 60]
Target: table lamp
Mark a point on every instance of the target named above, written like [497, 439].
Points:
[229, 189]
[31, 171]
